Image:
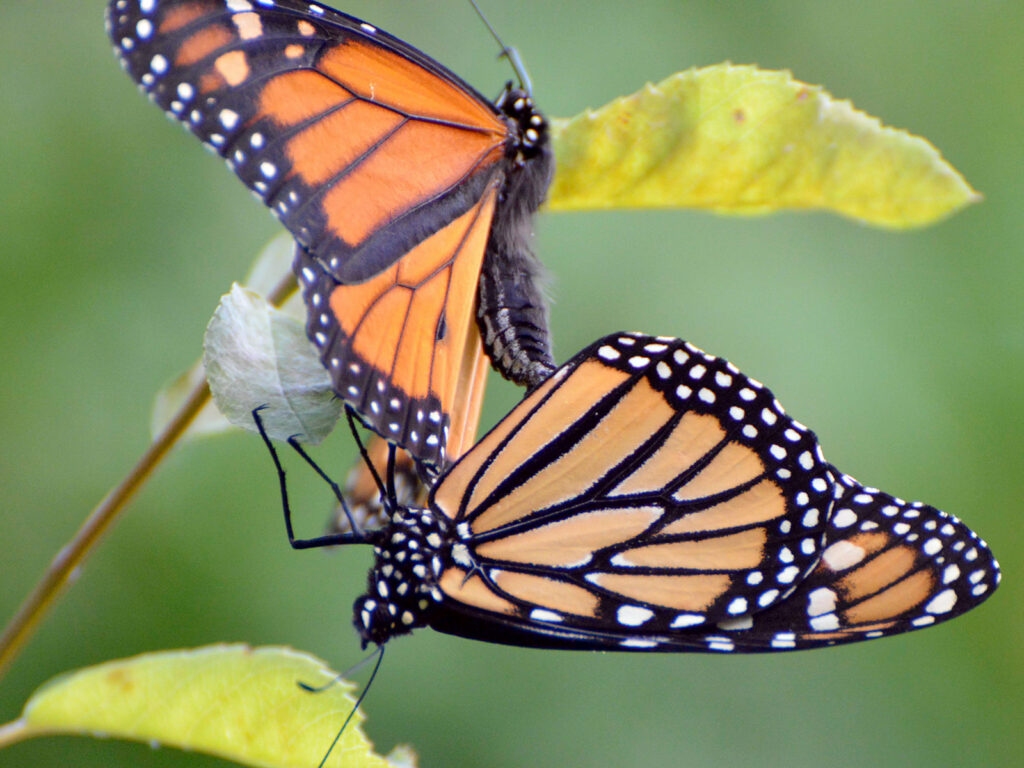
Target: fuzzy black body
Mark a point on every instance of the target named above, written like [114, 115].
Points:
[512, 310]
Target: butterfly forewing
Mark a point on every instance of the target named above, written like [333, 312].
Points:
[344, 131]
[647, 485]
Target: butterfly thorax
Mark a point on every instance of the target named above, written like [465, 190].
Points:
[411, 552]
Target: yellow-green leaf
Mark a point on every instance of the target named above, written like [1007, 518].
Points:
[234, 701]
[737, 139]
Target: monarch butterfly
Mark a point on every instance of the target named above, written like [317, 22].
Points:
[409, 194]
[651, 497]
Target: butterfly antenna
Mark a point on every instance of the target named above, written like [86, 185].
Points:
[352, 417]
[509, 53]
[359, 701]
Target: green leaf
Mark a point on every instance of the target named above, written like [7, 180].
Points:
[234, 701]
[256, 355]
[737, 139]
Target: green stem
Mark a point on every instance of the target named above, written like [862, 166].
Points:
[13, 732]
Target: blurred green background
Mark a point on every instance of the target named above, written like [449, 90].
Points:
[904, 351]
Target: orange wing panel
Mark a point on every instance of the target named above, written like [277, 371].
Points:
[469, 396]
[550, 593]
[897, 599]
[317, 155]
[432, 361]
[574, 397]
[460, 305]
[452, 489]
[734, 465]
[690, 441]
[640, 413]
[380, 330]
[570, 542]
[176, 18]
[758, 504]
[381, 75]
[292, 97]
[416, 163]
[351, 303]
[473, 591]
[737, 551]
[201, 44]
[877, 573]
[684, 592]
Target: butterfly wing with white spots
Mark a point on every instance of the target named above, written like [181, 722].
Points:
[650, 496]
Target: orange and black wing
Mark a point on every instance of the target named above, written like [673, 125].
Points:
[404, 348]
[389, 171]
[889, 566]
[649, 496]
[361, 145]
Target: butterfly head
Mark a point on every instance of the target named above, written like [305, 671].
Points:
[411, 552]
[532, 127]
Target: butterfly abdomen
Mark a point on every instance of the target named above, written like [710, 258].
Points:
[512, 310]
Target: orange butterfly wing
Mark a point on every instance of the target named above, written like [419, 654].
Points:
[649, 496]
[403, 348]
[361, 145]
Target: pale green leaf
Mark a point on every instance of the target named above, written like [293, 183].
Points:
[737, 139]
[256, 355]
[234, 701]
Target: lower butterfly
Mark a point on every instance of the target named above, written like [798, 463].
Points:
[651, 497]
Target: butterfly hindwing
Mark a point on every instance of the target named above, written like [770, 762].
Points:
[889, 566]
[403, 348]
[649, 496]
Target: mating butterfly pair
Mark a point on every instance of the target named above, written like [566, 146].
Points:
[645, 496]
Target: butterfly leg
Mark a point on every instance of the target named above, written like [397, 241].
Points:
[351, 537]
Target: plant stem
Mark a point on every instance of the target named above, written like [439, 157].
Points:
[61, 568]
[13, 732]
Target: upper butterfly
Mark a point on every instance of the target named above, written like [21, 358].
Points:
[404, 187]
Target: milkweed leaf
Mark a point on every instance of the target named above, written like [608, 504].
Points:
[233, 701]
[256, 355]
[738, 139]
